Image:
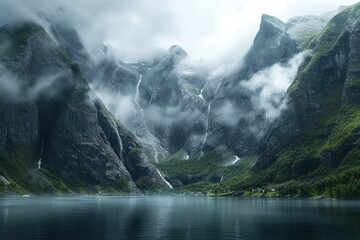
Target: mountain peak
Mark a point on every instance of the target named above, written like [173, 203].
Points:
[271, 45]
[177, 51]
[271, 22]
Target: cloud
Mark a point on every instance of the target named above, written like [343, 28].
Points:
[10, 85]
[16, 89]
[170, 115]
[121, 106]
[217, 31]
[269, 86]
[227, 114]
[12, 12]
[51, 85]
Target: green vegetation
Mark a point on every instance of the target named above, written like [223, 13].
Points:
[298, 172]
[344, 132]
[20, 170]
[146, 185]
[211, 168]
[24, 178]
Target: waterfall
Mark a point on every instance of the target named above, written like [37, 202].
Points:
[142, 123]
[118, 138]
[162, 177]
[206, 128]
[137, 93]
[207, 115]
[39, 163]
[235, 160]
[201, 91]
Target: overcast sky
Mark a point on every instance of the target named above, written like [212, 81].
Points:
[214, 30]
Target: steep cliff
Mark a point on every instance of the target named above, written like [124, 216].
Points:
[51, 120]
[318, 134]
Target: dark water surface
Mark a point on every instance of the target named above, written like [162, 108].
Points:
[177, 218]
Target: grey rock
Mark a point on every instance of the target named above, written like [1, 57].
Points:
[57, 119]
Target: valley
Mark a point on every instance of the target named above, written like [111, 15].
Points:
[283, 122]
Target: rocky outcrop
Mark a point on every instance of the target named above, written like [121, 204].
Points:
[271, 45]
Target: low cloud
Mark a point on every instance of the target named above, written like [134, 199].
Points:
[227, 114]
[269, 86]
[121, 106]
[220, 32]
[16, 89]
[51, 85]
[170, 115]
[10, 85]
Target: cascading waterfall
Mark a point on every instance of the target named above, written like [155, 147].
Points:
[142, 117]
[201, 91]
[221, 179]
[235, 160]
[39, 162]
[137, 92]
[162, 177]
[206, 128]
[207, 115]
[118, 137]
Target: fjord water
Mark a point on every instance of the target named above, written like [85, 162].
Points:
[177, 218]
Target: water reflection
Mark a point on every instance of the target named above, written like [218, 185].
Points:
[177, 218]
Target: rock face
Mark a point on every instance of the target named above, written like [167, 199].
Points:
[271, 45]
[323, 108]
[51, 114]
[178, 107]
[241, 128]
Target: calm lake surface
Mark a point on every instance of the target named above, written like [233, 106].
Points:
[177, 218]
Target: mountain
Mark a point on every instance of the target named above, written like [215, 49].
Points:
[319, 130]
[284, 121]
[179, 106]
[240, 128]
[311, 148]
[56, 136]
